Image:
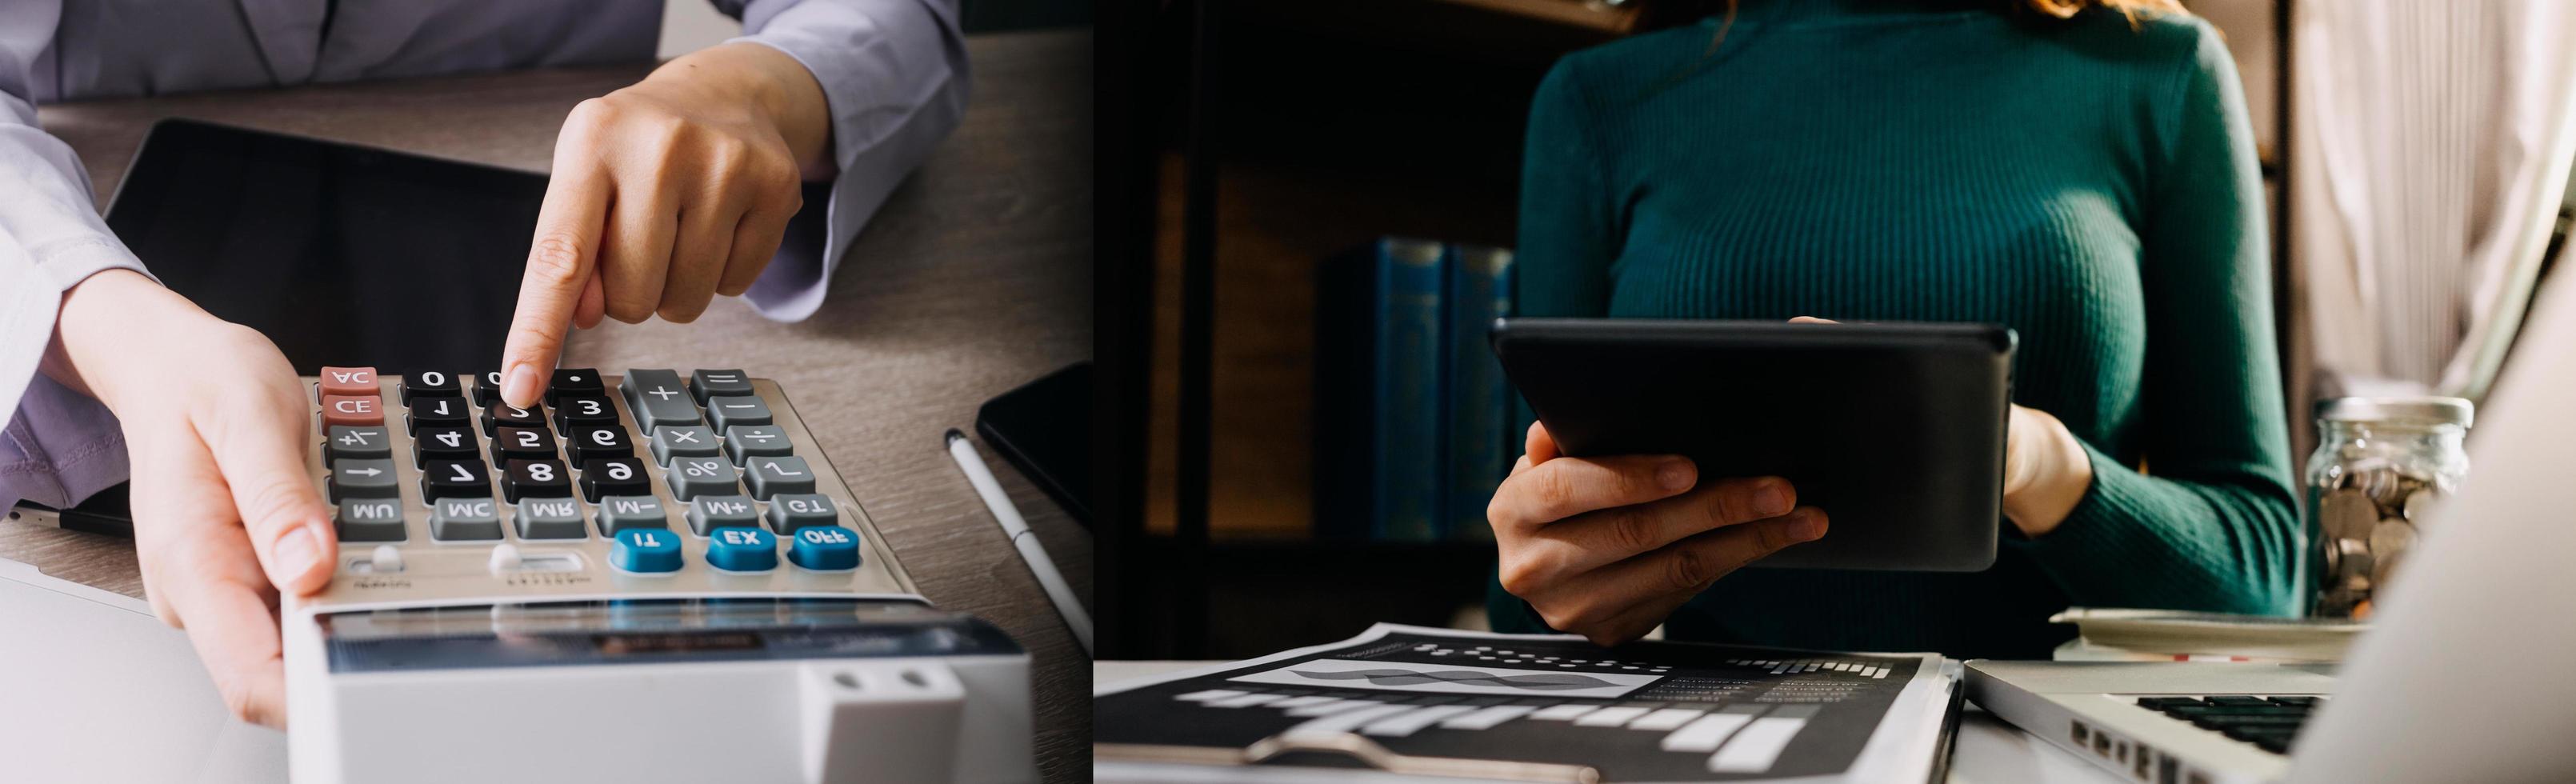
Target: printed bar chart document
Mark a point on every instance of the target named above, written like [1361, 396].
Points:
[1400, 702]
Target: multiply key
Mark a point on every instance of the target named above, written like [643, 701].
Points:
[658, 400]
[673, 443]
[348, 381]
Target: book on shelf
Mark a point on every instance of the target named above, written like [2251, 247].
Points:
[1411, 409]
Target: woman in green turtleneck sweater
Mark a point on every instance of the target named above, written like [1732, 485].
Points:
[2080, 170]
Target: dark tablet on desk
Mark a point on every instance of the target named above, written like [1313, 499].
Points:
[1896, 431]
[339, 253]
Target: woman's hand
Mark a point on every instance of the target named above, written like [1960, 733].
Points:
[225, 514]
[1608, 547]
[665, 194]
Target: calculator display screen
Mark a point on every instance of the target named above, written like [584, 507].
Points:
[648, 631]
[340, 254]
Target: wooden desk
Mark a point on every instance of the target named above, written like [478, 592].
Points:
[975, 277]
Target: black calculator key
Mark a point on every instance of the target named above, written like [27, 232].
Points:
[575, 382]
[430, 383]
[535, 479]
[594, 443]
[622, 475]
[500, 415]
[718, 383]
[487, 389]
[439, 412]
[462, 478]
[522, 443]
[574, 413]
[442, 443]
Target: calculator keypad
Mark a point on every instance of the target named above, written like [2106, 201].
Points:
[577, 469]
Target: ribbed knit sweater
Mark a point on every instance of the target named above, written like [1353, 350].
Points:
[2090, 183]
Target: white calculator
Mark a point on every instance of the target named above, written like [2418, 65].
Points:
[648, 577]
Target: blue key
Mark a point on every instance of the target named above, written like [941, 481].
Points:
[824, 548]
[742, 549]
[645, 550]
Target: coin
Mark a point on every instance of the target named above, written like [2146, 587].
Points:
[2354, 562]
[2389, 543]
[2421, 504]
[2348, 513]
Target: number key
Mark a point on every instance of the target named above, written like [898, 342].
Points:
[614, 476]
[442, 443]
[574, 413]
[438, 412]
[596, 443]
[460, 478]
[519, 443]
[487, 389]
[523, 479]
[429, 383]
[500, 415]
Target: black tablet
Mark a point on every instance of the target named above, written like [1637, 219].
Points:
[336, 252]
[1895, 430]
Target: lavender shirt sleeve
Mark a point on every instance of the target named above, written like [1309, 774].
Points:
[894, 74]
[58, 446]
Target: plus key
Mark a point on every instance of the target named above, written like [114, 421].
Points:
[658, 400]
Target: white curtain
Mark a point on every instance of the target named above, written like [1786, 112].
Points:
[2431, 147]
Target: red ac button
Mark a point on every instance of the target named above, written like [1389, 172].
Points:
[348, 381]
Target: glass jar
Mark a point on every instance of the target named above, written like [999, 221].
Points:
[2382, 464]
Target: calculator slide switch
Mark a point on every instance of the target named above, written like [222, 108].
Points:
[825, 548]
[385, 559]
[645, 551]
[742, 550]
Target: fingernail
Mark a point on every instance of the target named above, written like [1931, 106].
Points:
[1676, 475]
[521, 384]
[1771, 500]
[298, 551]
[1809, 527]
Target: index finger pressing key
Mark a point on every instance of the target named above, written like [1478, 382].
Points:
[560, 259]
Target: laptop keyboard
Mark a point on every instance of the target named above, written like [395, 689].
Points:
[2271, 723]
